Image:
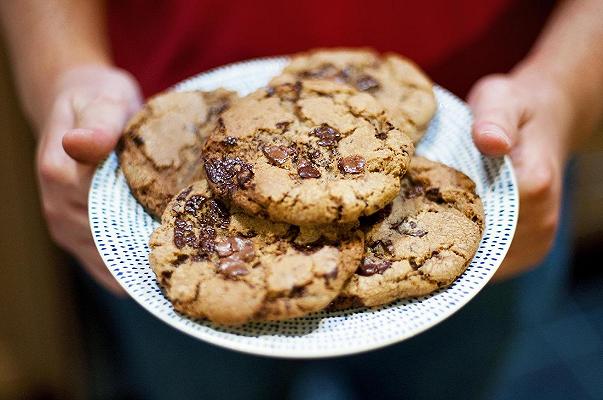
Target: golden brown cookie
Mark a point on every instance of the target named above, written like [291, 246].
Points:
[160, 151]
[312, 152]
[397, 83]
[216, 262]
[423, 241]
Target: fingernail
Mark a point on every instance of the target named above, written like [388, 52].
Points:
[495, 131]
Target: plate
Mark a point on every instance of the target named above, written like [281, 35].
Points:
[121, 230]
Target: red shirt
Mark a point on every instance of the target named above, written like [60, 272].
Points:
[456, 42]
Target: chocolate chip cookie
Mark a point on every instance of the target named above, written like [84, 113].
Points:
[215, 262]
[397, 83]
[160, 151]
[309, 152]
[423, 241]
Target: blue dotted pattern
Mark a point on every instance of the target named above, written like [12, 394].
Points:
[121, 229]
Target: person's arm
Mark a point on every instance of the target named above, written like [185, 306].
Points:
[538, 114]
[77, 103]
[46, 38]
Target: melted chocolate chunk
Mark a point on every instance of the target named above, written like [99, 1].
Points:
[277, 155]
[373, 265]
[205, 244]
[243, 247]
[366, 83]
[409, 228]
[194, 204]
[217, 214]
[228, 173]
[230, 141]
[184, 234]
[381, 135]
[236, 247]
[232, 267]
[328, 136]
[307, 171]
[223, 248]
[351, 164]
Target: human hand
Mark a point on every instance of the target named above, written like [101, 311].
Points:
[90, 105]
[528, 117]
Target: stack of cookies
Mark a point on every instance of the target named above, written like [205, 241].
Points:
[302, 195]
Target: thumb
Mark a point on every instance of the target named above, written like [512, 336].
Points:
[89, 146]
[497, 115]
[98, 126]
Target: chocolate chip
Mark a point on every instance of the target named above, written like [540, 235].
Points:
[307, 171]
[194, 204]
[232, 267]
[184, 234]
[244, 176]
[217, 214]
[205, 244]
[184, 193]
[381, 135]
[328, 136]
[230, 141]
[351, 164]
[223, 248]
[243, 247]
[373, 265]
[409, 228]
[366, 83]
[277, 155]
[228, 173]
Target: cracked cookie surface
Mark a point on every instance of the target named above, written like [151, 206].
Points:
[423, 241]
[160, 151]
[215, 262]
[396, 82]
[310, 152]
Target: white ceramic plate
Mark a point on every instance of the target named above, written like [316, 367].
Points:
[121, 229]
